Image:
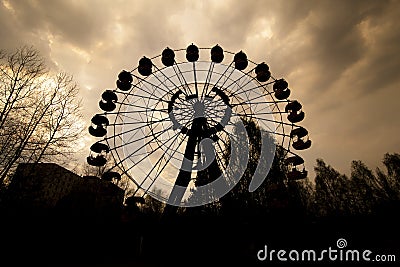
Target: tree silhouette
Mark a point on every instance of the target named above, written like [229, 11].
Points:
[390, 182]
[332, 190]
[363, 193]
[39, 111]
[271, 198]
[330, 194]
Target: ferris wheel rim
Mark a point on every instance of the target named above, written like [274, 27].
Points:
[126, 94]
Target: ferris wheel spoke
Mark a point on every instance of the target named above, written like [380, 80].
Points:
[244, 110]
[231, 139]
[118, 134]
[208, 79]
[276, 121]
[150, 114]
[129, 116]
[149, 172]
[183, 115]
[156, 149]
[216, 104]
[184, 112]
[127, 112]
[222, 138]
[154, 137]
[169, 143]
[163, 83]
[141, 107]
[153, 117]
[253, 88]
[217, 156]
[274, 107]
[195, 79]
[211, 119]
[270, 108]
[215, 113]
[225, 131]
[253, 102]
[140, 97]
[187, 117]
[181, 78]
[140, 122]
[247, 107]
[152, 84]
[264, 130]
[270, 113]
[182, 103]
[160, 170]
[246, 75]
[226, 77]
[216, 101]
[216, 108]
[183, 109]
[223, 74]
[145, 124]
[168, 78]
[261, 95]
[133, 153]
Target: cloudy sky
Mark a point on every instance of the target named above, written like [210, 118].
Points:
[341, 58]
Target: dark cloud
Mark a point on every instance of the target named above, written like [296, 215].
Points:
[7, 29]
[78, 22]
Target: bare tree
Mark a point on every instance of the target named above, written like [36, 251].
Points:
[40, 118]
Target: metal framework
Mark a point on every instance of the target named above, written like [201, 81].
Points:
[154, 123]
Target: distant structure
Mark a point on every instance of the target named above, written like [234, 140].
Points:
[48, 189]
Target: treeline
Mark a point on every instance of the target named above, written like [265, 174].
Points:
[310, 213]
[329, 194]
[364, 192]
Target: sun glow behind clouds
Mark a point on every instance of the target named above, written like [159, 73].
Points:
[263, 29]
[7, 5]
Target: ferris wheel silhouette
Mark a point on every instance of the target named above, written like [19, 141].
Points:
[171, 122]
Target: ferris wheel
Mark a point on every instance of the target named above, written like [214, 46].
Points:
[176, 124]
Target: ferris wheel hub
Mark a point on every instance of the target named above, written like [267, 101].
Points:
[198, 108]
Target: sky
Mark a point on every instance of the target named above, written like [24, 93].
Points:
[340, 57]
